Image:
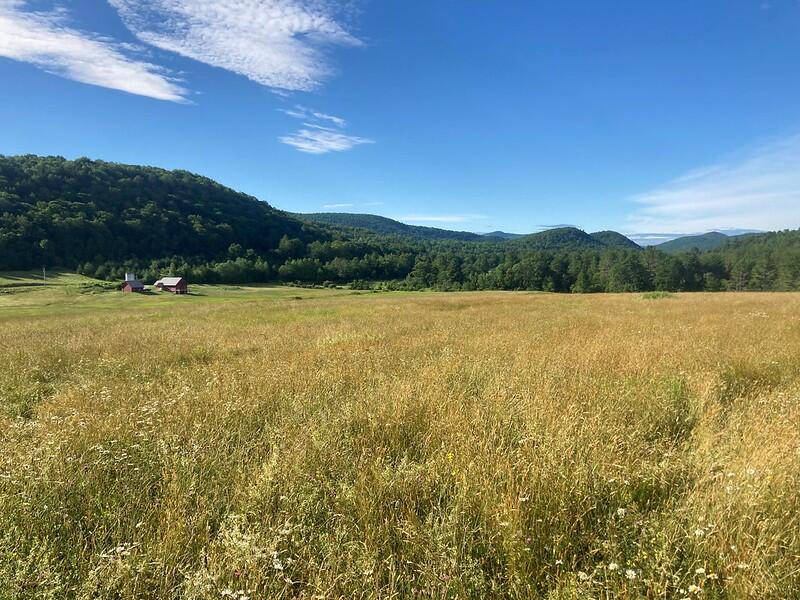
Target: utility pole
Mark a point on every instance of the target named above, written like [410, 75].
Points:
[44, 245]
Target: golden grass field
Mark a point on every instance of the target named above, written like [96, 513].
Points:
[243, 443]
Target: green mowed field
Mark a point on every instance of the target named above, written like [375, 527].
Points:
[274, 442]
[27, 294]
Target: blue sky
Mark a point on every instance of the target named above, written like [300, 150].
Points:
[668, 116]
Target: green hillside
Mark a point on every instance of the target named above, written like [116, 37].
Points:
[503, 235]
[64, 212]
[561, 238]
[572, 238]
[612, 239]
[706, 241]
[386, 226]
[551, 239]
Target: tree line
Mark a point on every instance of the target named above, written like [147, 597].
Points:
[766, 263]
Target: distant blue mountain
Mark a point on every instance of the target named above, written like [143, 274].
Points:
[503, 235]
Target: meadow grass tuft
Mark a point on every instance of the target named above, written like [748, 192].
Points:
[470, 445]
[657, 295]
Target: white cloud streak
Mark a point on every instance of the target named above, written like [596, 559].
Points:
[303, 113]
[276, 43]
[314, 138]
[45, 40]
[340, 205]
[758, 190]
[442, 218]
[321, 141]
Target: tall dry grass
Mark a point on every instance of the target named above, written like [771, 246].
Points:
[422, 446]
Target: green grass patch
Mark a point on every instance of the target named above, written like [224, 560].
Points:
[657, 295]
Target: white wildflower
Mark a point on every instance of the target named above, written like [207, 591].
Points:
[695, 589]
[700, 571]
[630, 574]
[621, 512]
[613, 566]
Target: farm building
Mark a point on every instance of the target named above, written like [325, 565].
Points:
[176, 285]
[131, 284]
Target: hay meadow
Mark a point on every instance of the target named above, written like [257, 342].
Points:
[287, 443]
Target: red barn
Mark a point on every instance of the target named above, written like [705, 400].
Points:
[132, 284]
[176, 285]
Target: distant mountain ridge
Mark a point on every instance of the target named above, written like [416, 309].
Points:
[703, 242]
[387, 226]
[572, 238]
[615, 240]
[549, 239]
[503, 235]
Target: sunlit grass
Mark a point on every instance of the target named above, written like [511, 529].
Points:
[243, 443]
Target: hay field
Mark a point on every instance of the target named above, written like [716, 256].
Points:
[244, 443]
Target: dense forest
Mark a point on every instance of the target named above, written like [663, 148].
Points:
[386, 226]
[101, 218]
[706, 241]
[66, 212]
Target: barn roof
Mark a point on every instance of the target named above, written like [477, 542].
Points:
[135, 284]
[170, 281]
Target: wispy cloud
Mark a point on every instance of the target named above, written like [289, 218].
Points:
[303, 113]
[46, 40]
[441, 218]
[315, 138]
[760, 189]
[276, 43]
[359, 205]
[651, 239]
[321, 141]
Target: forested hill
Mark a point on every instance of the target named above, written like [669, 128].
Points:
[705, 241]
[612, 239]
[563, 238]
[64, 212]
[102, 219]
[572, 238]
[386, 226]
[503, 235]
